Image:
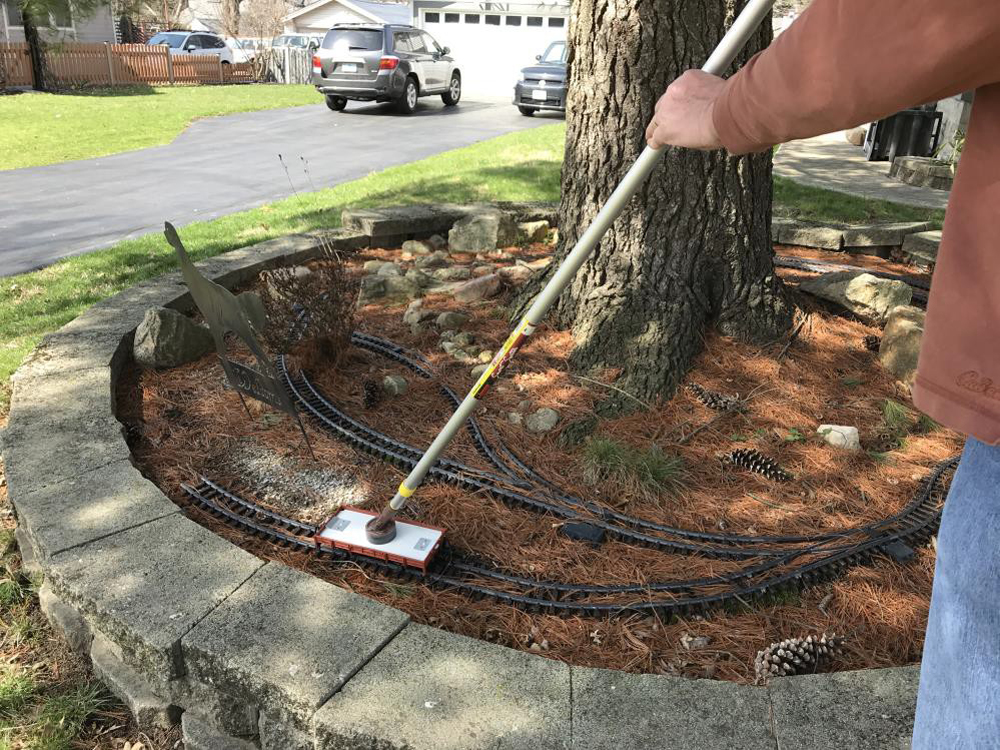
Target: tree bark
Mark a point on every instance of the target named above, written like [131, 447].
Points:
[36, 51]
[692, 249]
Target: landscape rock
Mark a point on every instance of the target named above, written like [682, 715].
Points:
[372, 288]
[856, 136]
[921, 248]
[455, 273]
[482, 269]
[437, 259]
[451, 320]
[534, 231]
[420, 278]
[808, 235]
[397, 287]
[481, 232]
[415, 313]
[515, 418]
[900, 347]
[372, 266]
[418, 247]
[390, 269]
[464, 338]
[478, 370]
[167, 338]
[477, 289]
[515, 276]
[437, 242]
[861, 293]
[882, 234]
[394, 385]
[486, 356]
[542, 420]
[840, 436]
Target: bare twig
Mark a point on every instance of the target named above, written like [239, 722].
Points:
[791, 338]
[615, 388]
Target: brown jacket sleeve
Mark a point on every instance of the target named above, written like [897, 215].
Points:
[846, 62]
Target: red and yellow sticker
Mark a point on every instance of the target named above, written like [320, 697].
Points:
[502, 358]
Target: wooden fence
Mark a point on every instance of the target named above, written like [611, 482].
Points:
[120, 64]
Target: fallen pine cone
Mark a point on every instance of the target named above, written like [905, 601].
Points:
[796, 656]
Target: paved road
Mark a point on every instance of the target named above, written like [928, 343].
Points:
[221, 165]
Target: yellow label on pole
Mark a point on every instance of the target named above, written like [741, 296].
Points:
[404, 490]
[500, 359]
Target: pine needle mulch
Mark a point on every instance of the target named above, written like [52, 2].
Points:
[184, 423]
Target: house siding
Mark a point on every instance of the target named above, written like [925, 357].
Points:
[321, 19]
[95, 28]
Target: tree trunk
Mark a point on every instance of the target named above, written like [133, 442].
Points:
[692, 249]
[36, 51]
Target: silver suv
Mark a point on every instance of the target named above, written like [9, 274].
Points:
[391, 63]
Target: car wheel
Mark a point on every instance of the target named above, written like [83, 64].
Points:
[454, 92]
[408, 101]
[336, 103]
[526, 111]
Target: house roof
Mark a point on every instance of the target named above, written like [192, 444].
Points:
[378, 12]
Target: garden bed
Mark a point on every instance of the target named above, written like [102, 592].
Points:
[651, 464]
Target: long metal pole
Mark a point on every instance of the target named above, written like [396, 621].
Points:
[743, 28]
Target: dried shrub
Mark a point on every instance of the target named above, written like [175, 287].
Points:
[310, 314]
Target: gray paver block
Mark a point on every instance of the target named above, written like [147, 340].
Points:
[59, 427]
[809, 235]
[288, 639]
[922, 247]
[146, 587]
[867, 710]
[199, 735]
[889, 233]
[29, 555]
[102, 501]
[149, 709]
[277, 734]
[613, 709]
[430, 690]
[67, 620]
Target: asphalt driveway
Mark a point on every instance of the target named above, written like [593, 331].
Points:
[221, 165]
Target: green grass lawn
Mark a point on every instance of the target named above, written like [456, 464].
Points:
[518, 166]
[37, 129]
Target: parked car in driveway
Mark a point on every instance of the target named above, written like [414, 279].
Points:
[244, 50]
[543, 86]
[297, 41]
[193, 43]
[384, 63]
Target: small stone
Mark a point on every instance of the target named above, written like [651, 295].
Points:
[477, 289]
[691, 642]
[482, 270]
[464, 338]
[372, 266]
[394, 385]
[450, 347]
[514, 418]
[840, 436]
[542, 420]
[372, 288]
[481, 232]
[399, 287]
[855, 136]
[418, 247]
[861, 293]
[455, 273]
[478, 370]
[420, 278]
[486, 356]
[437, 242]
[437, 259]
[900, 347]
[447, 335]
[167, 338]
[390, 269]
[534, 231]
[415, 313]
[515, 276]
[451, 320]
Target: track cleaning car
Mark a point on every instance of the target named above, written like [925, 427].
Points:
[390, 63]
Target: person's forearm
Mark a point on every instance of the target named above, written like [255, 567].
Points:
[845, 62]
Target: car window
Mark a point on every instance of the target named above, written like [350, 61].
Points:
[353, 40]
[556, 53]
[171, 40]
[417, 42]
[217, 42]
[432, 46]
[197, 41]
[401, 41]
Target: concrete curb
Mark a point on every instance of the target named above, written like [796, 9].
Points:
[251, 654]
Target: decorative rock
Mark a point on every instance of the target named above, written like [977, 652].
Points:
[880, 235]
[481, 232]
[534, 231]
[451, 320]
[456, 273]
[394, 385]
[400, 286]
[463, 339]
[373, 266]
[515, 275]
[477, 289]
[482, 270]
[856, 136]
[372, 288]
[900, 347]
[390, 269]
[415, 313]
[450, 347]
[166, 338]
[486, 356]
[542, 420]
[861, 293]
[921, 248]
[840, 436]
[478, 370]
[515, 418]
[437, 242]
[437, 259]
[418, 247]
[420, 278]
[447, 335]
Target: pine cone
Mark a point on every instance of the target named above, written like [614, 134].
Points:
[752, 460]
[372, 394]
[872, 342]
[796, 656]
[713, 399]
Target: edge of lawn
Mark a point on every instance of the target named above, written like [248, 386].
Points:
[522, 166]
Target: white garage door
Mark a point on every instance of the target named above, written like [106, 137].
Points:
[491, 48]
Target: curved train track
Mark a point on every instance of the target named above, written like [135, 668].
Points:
[768, 564]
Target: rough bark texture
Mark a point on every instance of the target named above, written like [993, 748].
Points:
[36, 51]
[693, 248]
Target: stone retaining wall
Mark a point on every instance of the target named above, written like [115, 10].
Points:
[185, 626]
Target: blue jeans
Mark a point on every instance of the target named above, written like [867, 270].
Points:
[958, 705]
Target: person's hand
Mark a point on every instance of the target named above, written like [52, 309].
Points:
[683, 115]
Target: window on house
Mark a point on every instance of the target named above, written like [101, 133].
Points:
[61, 15]
[534, 20]
[432, 17]
[493, 20]
[513, 20]
[14, 15]
[451, 17]
[557, 23]
[472, 18]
